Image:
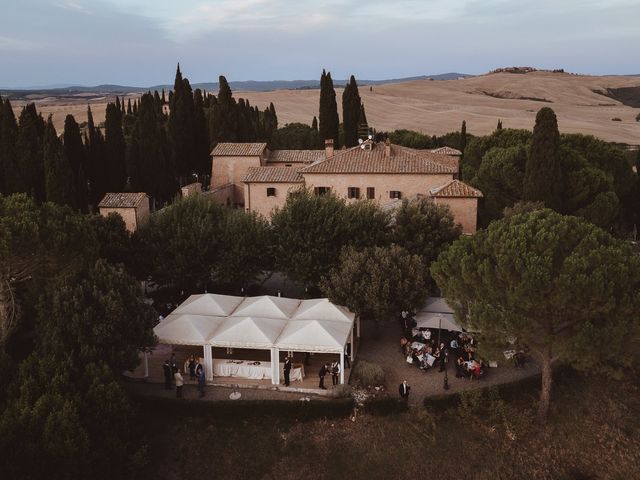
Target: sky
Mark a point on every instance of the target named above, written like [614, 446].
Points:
[139, 42]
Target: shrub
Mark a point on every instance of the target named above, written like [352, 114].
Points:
[638, 117]
[368, 374]
[385, 405]
[341, 391]
[616, 119]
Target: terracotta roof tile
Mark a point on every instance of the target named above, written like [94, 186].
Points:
[272, 175]
[224, 149]
[296, 156]
[123, 200]
[447, 151]
[448, 160]
[401, 160]
[455, 188]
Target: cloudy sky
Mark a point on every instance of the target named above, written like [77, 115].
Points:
[138, 42]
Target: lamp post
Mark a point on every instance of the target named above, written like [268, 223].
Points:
[446, 377]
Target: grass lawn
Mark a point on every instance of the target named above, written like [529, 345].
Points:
[594, 432]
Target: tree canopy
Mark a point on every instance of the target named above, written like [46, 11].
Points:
[556, 283]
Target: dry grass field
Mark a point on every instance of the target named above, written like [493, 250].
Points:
[437, 107]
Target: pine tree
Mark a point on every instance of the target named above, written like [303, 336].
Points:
[329, 122]
[543, 172]
[57, 169]
[30, 166]
[76, 155]
[463, 136]
[202, 161]
[351, 104]
[12, 181]
[115, 150]
[314, 123]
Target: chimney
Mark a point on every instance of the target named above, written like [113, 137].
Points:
[387, 148]
[328, 147]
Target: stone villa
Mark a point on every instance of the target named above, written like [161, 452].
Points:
[251, 176]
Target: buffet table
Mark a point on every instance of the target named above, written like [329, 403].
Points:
[224, 367]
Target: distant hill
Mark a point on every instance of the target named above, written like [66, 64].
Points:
[247, 86]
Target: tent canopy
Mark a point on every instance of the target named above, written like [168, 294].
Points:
[264, 322]
[436, 305]
[437, 320]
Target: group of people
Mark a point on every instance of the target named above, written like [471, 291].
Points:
[332, 369]
[467, 365]
[172, 374]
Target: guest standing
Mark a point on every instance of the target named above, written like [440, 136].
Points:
[167, 375]
[323, 371]
[201, 382]
[179, 383]
[287, 370]
[192, 368]
[404, 390]
[335, 372]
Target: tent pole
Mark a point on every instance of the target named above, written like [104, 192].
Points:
[358, 326]
[275, 366]
[342, 366]
[352, 345]
[208, 362]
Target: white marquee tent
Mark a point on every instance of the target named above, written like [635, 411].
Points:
[265, 323]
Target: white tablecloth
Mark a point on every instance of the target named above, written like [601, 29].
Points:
[223, 367]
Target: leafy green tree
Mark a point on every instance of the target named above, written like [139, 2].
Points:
[57, 170]
[411, 139]
[295, 136]
[479, 146]
[555, 283]
[114, 241]
[328, 117]
[425, 229]
[75, 153]
[543, 172]
[377, 282]
[311, 230]
[351, 104]
[115, 150]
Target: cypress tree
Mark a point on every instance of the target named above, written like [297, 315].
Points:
[118, 103]
[76, 155]
[180, 126]
[543, 172]
[115, 150]
[150, 166]
[95, 167]
[202, 159]
[57, 169]
[499, 126]
[30, 166]
[223, 122]
[314, 123]
[129, 111]
[463, 136]
[363, 125]
[8, 157]
[351, 104]
[329, 123]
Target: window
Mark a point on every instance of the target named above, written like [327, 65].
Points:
[353, 192]
[395, 194]
[321, 190]
[371, 193]
[271, 192]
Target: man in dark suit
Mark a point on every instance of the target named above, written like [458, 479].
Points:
[287, 370]
[404, 390]
[323, 371]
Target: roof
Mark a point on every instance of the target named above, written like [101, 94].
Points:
[225, 149]
[272, 175]
[455, 188]
[209, 304]
[123, 200]
[296, 156]
[446, 151]
[400, 160]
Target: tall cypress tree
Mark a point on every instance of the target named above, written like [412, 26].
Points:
[57, 169]
[351, 104]
[223, 121]
[115, 150]
[543, 171]
[202, 161]
[363, 125]
[499, 126]
[463, 136]
[329, 122]
[30, 167]
[8, 157]
[95, 168]
[151, 170]
[314, 123]
[76, 155]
